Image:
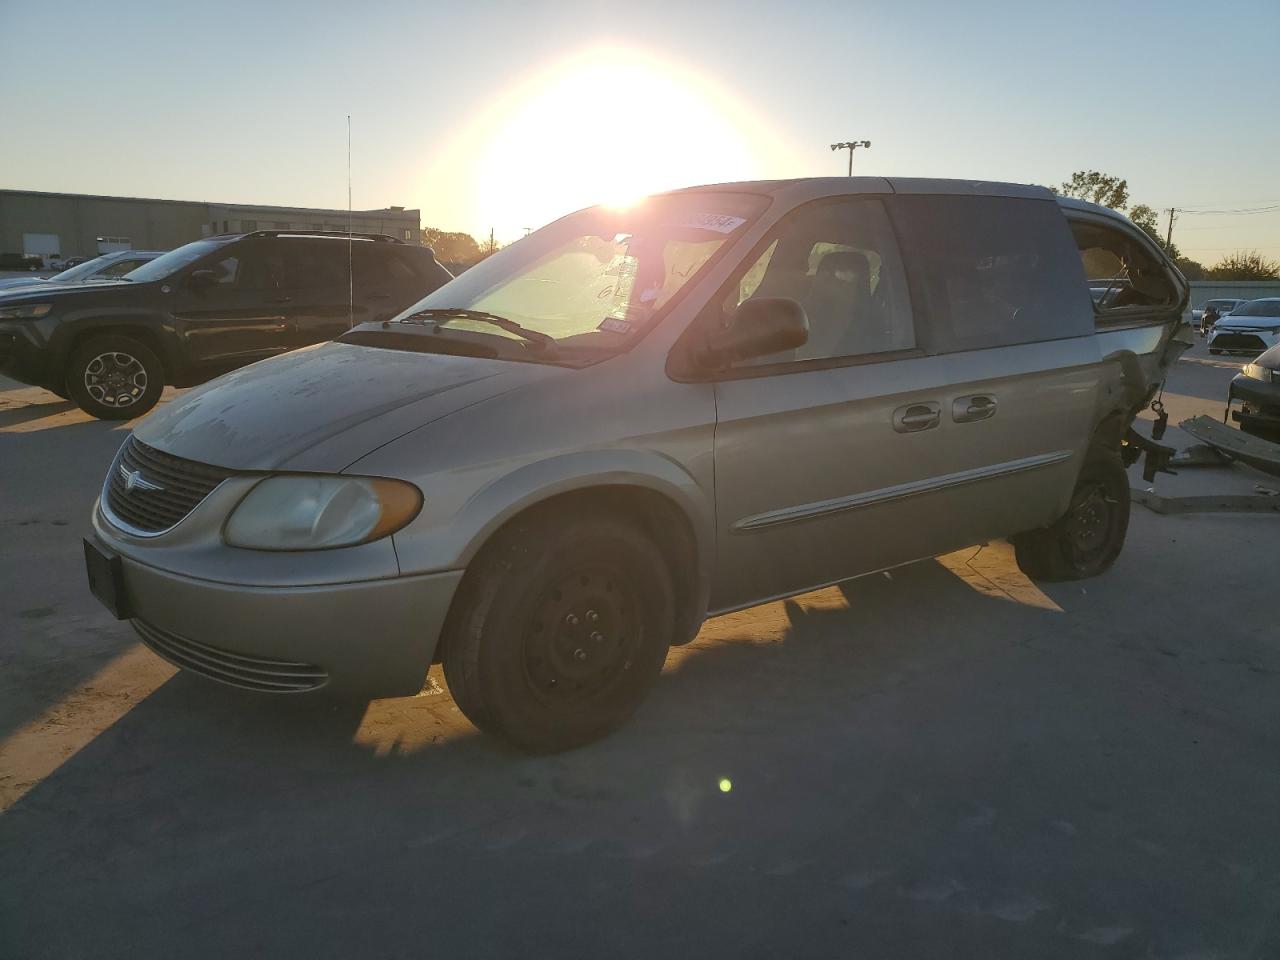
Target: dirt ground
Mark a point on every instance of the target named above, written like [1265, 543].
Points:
[947, 761]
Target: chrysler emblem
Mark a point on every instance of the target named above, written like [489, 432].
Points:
[134, 480]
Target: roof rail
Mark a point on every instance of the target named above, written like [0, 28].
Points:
[379, 237]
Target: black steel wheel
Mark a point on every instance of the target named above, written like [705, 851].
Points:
[559, 630]
[1085, 540]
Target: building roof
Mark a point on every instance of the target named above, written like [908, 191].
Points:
[389, 212]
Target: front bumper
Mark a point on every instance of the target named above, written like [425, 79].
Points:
[372, 638]
[25, 353]
[1245, 341]
[1260, 406]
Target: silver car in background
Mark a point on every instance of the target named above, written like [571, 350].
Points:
[1251, 328]
[561, 462]
[109, 266]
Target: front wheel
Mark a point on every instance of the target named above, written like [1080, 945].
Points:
[559, 631]
[114, 378]
[1085, 540]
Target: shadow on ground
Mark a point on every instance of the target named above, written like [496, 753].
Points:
[913, 768]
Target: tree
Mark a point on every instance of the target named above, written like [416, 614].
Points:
[1245, 265]
[451, 247]
[1113, 192]
[1192, 269]
[1097, 187]
[1148, 220]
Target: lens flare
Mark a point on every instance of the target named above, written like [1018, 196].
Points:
[608, 126]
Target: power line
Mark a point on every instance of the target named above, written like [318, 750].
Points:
[1233, 203]
[1242, 211]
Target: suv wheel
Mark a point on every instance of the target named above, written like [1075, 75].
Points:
[562, 626]
[1086, 540]
[114, 378]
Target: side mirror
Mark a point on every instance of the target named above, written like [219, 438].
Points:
[202, 279]
[760, 326]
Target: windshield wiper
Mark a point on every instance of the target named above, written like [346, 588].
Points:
[535, 338]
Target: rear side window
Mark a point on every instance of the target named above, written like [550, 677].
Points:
[991, 271]
[303, 264]
[384, 265]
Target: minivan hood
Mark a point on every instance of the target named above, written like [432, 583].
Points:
[322, 408]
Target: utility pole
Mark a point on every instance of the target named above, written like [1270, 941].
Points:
[1168, 239]
[851, 146]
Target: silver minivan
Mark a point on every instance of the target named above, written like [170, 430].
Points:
[560, 463]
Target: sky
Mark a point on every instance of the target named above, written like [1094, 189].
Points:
[503, 116]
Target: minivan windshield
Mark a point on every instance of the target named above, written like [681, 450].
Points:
[595, 280]
[174, 260]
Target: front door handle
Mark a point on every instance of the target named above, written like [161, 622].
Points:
[915, 417]
[379, 296]
[281, 300]
[979, 406]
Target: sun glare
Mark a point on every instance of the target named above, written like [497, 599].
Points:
[607, 127]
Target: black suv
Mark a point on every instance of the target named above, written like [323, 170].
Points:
[203, 309]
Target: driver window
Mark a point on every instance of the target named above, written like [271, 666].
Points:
[840, 262]
[227, 271]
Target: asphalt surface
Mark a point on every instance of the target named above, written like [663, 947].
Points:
[946, 762]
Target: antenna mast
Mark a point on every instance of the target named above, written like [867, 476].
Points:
[351, 279]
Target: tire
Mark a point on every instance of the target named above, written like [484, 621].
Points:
[114, 377]
[1086, 540]
[559, 630]
[59, 391]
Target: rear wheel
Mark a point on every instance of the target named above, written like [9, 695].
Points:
[114, 377]
[561, 628]
[1085, 540]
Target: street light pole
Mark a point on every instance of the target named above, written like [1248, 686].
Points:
[851, 146]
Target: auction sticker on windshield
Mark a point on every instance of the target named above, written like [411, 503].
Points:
[717, 222]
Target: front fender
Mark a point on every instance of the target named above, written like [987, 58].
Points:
[150, 327]
[436, 542]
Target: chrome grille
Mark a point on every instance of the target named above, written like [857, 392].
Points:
[236, 669]
[183, 485]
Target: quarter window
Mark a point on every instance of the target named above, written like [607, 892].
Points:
[1121, 272]
[840, 262]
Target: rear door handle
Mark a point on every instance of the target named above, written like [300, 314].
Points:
[281, 300]
[915, 417]
[979, 406]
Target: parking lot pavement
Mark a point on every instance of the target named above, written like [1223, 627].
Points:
[944, 761]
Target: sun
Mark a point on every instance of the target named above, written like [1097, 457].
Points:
[607, 127]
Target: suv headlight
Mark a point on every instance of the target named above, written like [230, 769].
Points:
[1255, 372]
[25, 311]
[308, 512]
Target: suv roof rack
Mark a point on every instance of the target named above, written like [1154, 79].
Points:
[341, 234]
[336, 234]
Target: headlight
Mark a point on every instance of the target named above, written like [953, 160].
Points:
[1255, 372]
[26, 311]
[301, 512]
